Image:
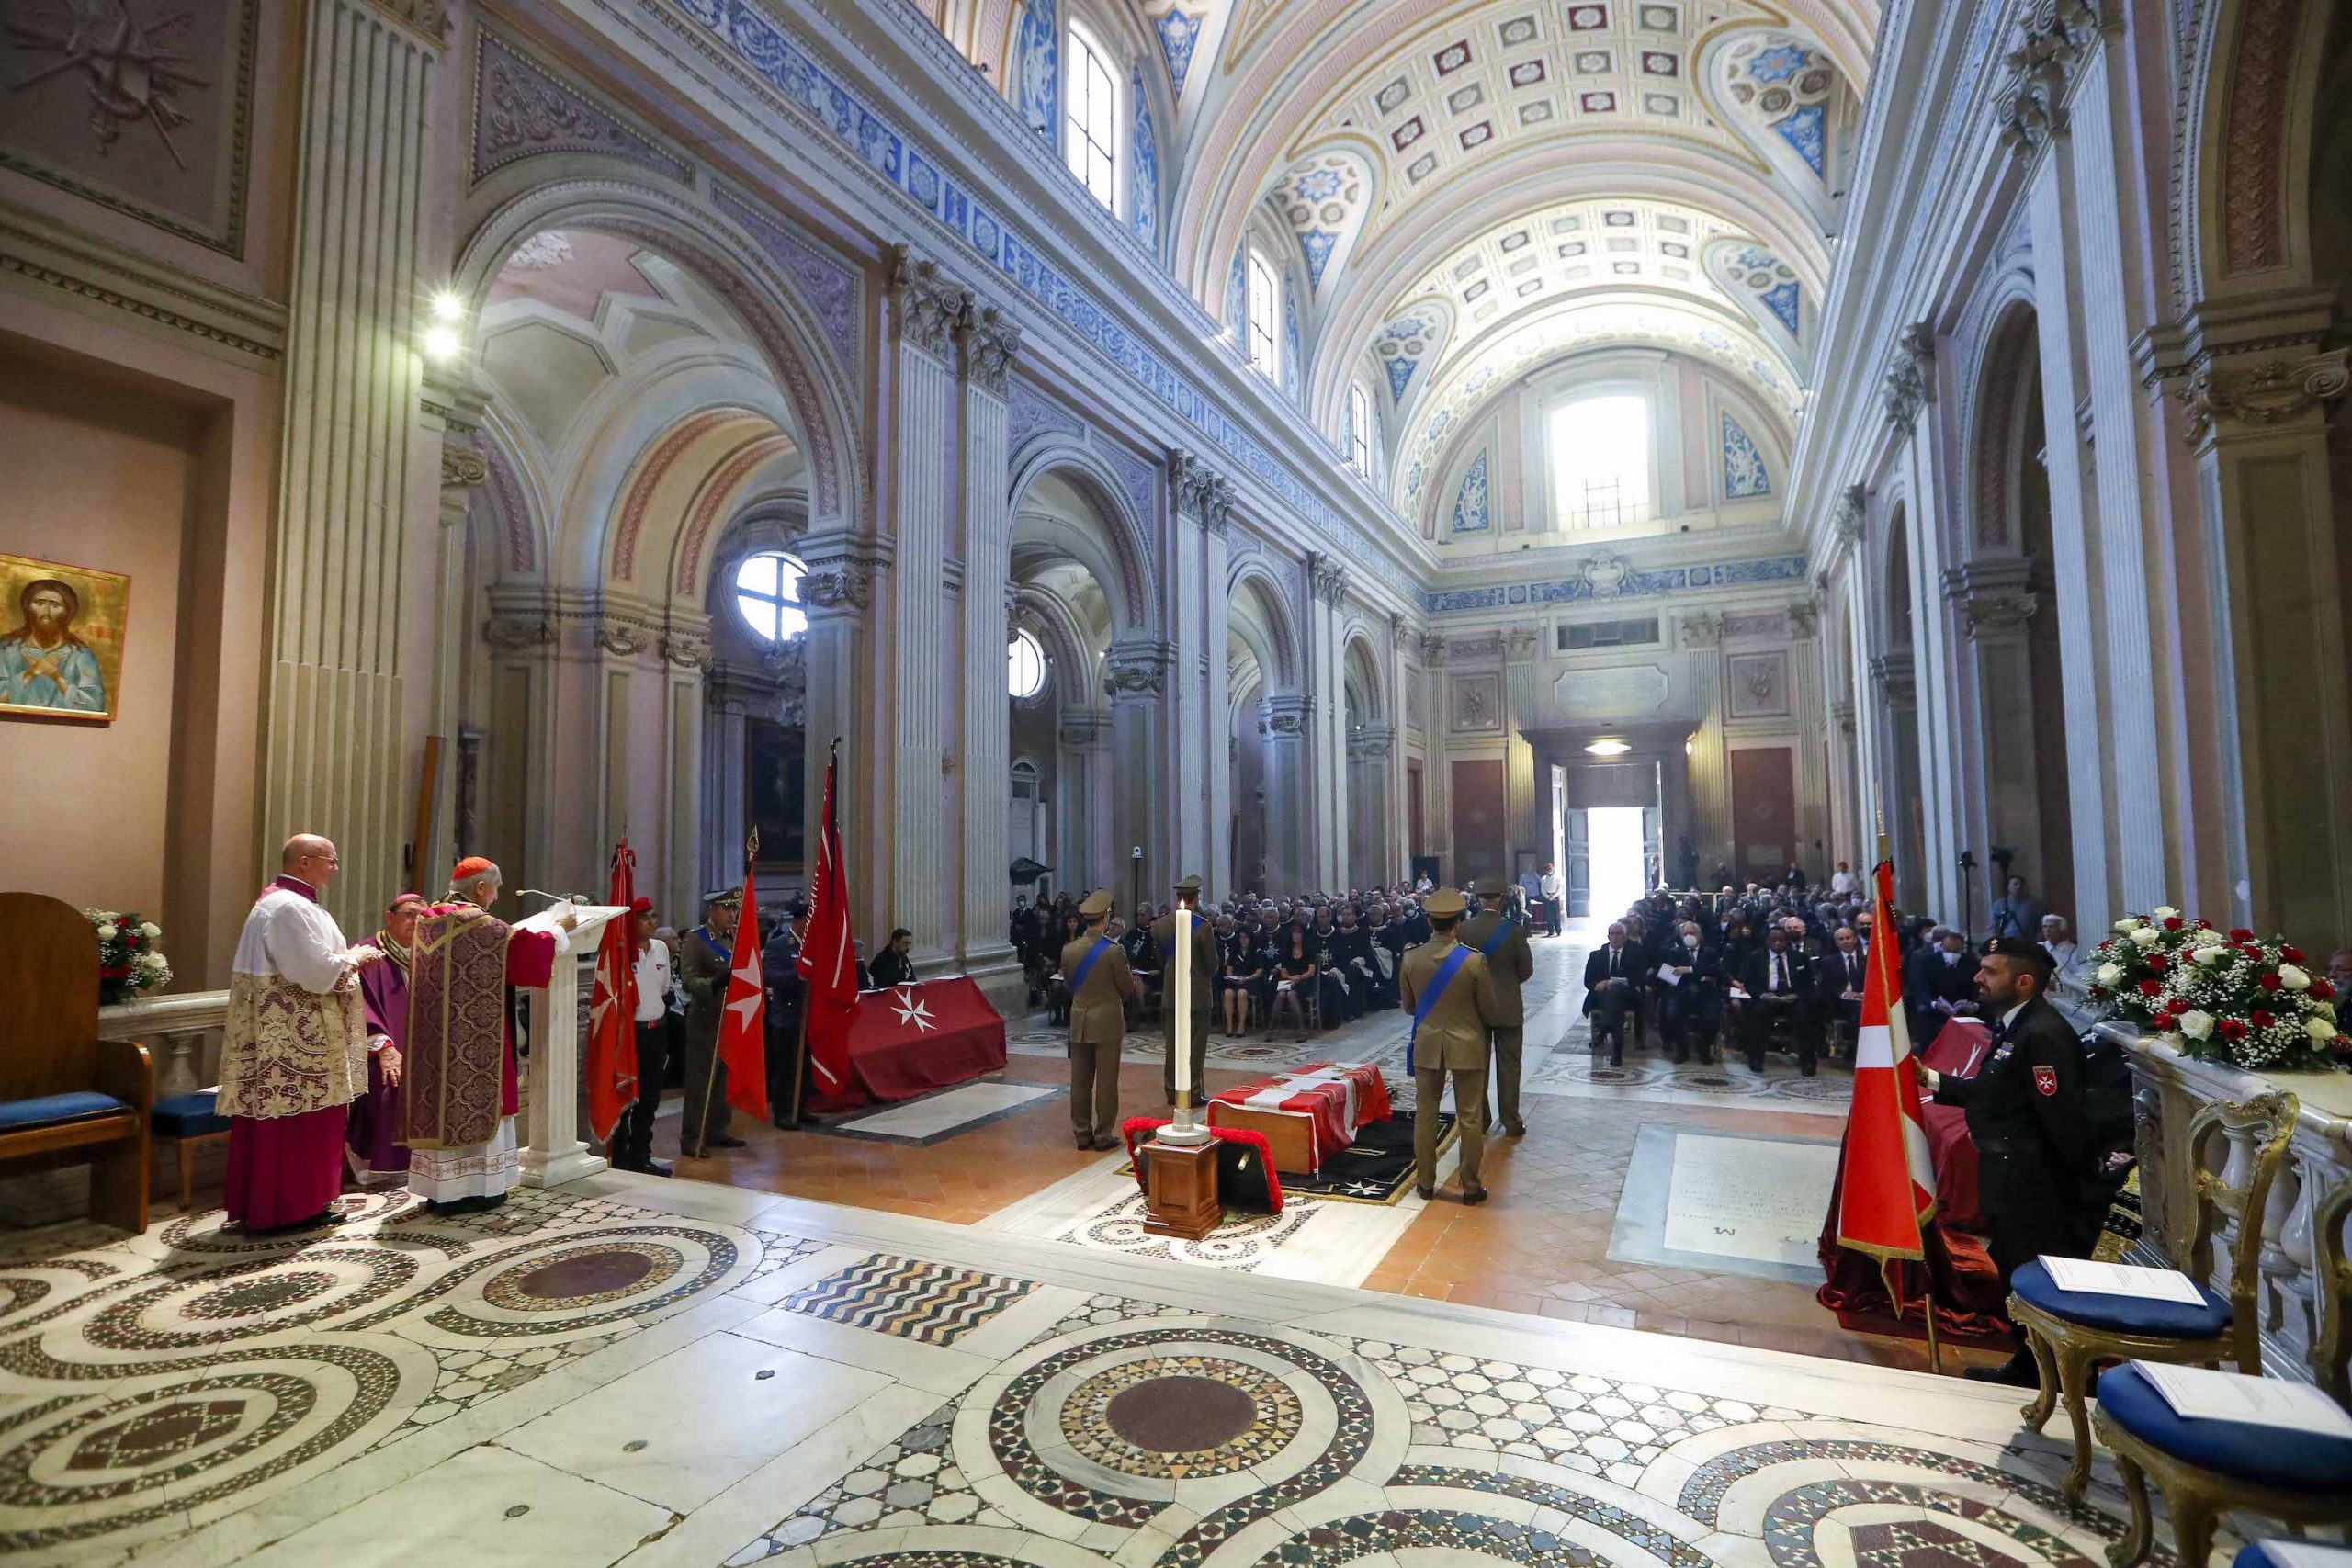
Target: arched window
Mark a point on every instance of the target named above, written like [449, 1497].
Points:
[1091, 97]
[1265, 311]
[1359, 430]
[767, 594]
[1025, 659]
[1600, 450]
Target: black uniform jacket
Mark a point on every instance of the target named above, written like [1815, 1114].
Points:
[2027, 1115]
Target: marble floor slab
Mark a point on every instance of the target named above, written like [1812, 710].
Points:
[1729, 1202]
[937, 1116]
[592, 1359]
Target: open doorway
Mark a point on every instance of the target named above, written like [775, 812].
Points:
[1615, 837]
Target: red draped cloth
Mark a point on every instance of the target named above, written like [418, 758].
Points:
[1967, 1286]
[460, 1079]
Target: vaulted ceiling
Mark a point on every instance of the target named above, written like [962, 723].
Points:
[1466, 181]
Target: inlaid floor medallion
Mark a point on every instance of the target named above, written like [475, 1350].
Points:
[1181, 1416]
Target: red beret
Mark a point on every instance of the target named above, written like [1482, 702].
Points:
[641, 904]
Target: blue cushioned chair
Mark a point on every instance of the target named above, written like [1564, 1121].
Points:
[2072, 1331]
[189, 1119]
[2207, 1469]
[66, 1096]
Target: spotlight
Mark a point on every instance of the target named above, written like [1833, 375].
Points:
[441, 344]
[447, 307]
[1607, 749]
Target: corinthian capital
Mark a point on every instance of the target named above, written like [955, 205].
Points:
[1330, 580]
[990, 346]
[1907, 384]
[2221, 393]
[1136, 671]
[924, 304]
[2053, 39]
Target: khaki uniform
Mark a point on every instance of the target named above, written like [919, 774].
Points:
[1509, 966]
[1452, 1038]
[1098, 1027]
[1163, 940]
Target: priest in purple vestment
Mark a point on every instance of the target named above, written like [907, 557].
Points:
[373, 1144]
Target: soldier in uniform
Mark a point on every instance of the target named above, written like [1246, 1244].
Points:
[705, 957]
[1163, 949]
[2028, 1118]
[1451, 1038]
[1501, 939]
[1095, 969]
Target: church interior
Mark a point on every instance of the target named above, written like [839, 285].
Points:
[637, 635]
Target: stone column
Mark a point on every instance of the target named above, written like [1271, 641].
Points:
[1898, 765]
[1201, 521]
[1522, 799]
[333, 751]
[924, 312]
[1327, 756]
[837, 590]
[1394, 866]
[990, 345]
[1437, 777]
[1909, 395]
[1709, 769]
[675, 840]
[1284, 719]
[1370, 755]
[1082, 844]
[1135, 678]
[2258, 422]
[1225, 878]
[463, 473]
[1814, 822]
[1991, 597]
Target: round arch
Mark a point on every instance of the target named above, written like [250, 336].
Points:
[1126, 573]
[733, 268]
[1270, 604]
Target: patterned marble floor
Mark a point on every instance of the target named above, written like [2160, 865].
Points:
[660, 1374]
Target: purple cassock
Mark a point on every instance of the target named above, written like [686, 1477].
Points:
[377, 1155]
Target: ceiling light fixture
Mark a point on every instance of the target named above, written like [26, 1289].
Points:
[1607, 749]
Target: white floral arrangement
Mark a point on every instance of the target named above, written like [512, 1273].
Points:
[130, 959]
[2219, 996]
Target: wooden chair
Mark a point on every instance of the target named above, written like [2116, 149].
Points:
[2070, 1331]
[67, 1097]
[185, 1121]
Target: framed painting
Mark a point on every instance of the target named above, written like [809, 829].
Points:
[1759, 685]
[60, 656]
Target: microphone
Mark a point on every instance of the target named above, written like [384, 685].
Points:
[551, 897]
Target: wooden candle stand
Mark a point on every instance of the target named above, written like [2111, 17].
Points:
[1181, 1199]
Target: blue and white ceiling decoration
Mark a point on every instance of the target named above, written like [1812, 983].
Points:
[1038, 70]
[1143, 184]
[1743, 475]
[1324, 197]
[1411, 342]
[1782, 95]
[1470, 513]
[1766, 287]
[1179, 31]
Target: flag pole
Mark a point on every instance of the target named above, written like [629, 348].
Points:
[710, 1079]
[800, 1049]
[1926, 1270]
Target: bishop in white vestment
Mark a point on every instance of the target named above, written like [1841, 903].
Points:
[294, 1055]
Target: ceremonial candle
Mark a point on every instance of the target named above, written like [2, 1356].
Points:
[1182, 962]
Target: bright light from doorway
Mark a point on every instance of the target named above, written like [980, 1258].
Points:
[1615, 843]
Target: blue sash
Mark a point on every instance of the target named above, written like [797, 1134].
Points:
[1446, 971]
[725, 954]
[1086, 965]
[1496, 938]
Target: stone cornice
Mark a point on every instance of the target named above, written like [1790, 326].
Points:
[2224, 393]
[102, 279]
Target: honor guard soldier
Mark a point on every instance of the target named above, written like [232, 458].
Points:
[1164, 942]
[1446, 987]
[1095, 969]
[1502, 940]
[2028, 1118]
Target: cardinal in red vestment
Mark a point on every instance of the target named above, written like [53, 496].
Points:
[460, 1093]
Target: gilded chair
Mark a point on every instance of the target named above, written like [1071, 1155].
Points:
[2207, 1469]
[2072, 1331]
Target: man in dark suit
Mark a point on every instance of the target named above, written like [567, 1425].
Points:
[1843, 975]
[1691, 1004]
[1613, 980]
[1779, 985]
[1940, 983]
[2028, 1118]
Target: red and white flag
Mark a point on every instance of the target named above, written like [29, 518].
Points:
[829, 959]
[1889, 1193]
[744, 1022]
[612, 1014]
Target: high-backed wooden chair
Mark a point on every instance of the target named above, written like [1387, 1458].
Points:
[67, 1097]
[2072, 1331]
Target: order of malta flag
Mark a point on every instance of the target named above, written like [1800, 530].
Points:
[1890, 1187]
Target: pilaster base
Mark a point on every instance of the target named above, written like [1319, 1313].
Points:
[552, 1168]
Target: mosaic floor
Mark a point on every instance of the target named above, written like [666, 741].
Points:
[628, 1370]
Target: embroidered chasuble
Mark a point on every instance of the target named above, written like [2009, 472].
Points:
[458, 1080]
[296, 1039]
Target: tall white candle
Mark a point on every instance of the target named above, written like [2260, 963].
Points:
[1183, 961]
